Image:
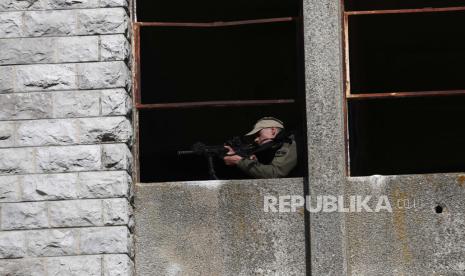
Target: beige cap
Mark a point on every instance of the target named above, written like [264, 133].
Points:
[265, 122]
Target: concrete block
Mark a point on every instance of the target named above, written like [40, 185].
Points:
[70, 4]
[105, 240]
[218, 228]
[104, 184]
[103, 75]
[70, 158]
[50, 23]
[10, 24]
[77, 49]
[45, 77]
[73, 213]
[55, 242]
[25, 215]
[116, 211]
[17, 267]
[7, 134]
[114, 47]
[75, 266]
[8, 106]
[47, 132]
[116, 157]
[103, 21]
[32, 106]
[69, 104]
[6, 79]
[27, 50]
[14, 5]
[15, 161]
[113, 3]
[116, 102]
[9, 189]
[12, 244]
[100, 130]
[38, 187]
[117, 265]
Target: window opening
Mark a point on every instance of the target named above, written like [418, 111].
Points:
[407, 135]
[217, 62]
[208, 76]
[403, 87]
[407, 52]
[161, 138]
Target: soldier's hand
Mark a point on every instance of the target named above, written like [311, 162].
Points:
[230, 150]
[232, 160]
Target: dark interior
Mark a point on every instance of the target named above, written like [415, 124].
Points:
[246, 62]
[193, 64]
[360, 5]
[212, 10]
[164, 132]
[407, 52]
[407, 136]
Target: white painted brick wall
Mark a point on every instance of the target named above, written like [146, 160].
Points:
[65, 131]
[62, 186]
[65, 242]
[68, 104]
[63, 49]
[77, 22]
[65, 138]
[14, 5]
[109, 265]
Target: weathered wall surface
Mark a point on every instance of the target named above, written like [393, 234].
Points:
[218, 228]
[413, 239]
[422, 236]
[64, 138]
[325, 117]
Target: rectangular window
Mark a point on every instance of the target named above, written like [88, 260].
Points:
[213, 64]
[205, 72]
[404, 87]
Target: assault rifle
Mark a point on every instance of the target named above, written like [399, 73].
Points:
[242, 149]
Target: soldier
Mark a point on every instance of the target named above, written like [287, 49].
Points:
[277, 160]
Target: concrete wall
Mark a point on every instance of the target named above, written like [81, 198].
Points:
[64, 138]
[218, 228]
[414, 239]
[410, 240]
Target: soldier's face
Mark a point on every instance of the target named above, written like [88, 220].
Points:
[266, 135]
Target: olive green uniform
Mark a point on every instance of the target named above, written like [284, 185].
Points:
[285, 159]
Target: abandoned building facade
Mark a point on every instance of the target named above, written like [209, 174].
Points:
[97, 96]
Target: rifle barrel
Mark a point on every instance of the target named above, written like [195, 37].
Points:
[185, 152]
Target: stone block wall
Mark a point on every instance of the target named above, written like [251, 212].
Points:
[65, 138]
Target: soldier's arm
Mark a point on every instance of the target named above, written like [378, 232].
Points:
[284, 161]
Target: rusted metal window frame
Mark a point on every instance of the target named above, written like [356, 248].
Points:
[393, 94]
[137, 99]
[349, 96]
[137, 85]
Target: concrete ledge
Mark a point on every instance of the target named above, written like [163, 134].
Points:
[218, 228]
